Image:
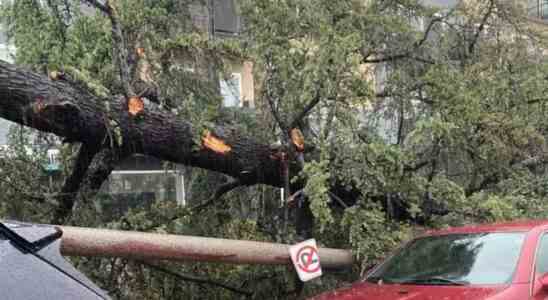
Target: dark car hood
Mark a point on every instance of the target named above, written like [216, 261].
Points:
[370, 291]
[32, 267]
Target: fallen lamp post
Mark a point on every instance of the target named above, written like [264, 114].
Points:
[78, 241]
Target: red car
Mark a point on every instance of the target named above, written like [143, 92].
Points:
[505, 261]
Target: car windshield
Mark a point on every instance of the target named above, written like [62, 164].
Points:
[456, 259]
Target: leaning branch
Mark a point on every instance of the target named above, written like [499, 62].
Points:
[272, 96]
[118, 44]
[306, 110]
[72, 184]
[92, 168]
[481, 27]
[413, 49]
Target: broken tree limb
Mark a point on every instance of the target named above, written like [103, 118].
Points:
[77, 241]
[58, 107]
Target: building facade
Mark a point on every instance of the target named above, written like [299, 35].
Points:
[220, 20]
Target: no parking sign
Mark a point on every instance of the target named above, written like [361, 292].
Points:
[306, 260]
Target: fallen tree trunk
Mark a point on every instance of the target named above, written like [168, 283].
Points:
[62, 108]
[77, 241]
[109, 131]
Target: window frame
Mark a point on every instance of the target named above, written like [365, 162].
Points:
[233, 75]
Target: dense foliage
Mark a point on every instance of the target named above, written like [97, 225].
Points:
[424, 117]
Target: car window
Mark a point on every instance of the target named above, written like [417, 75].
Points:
[456, 258]
[542, 255]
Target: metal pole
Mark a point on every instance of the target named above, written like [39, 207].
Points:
[77, 241]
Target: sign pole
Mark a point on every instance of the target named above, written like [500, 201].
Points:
[78, 241]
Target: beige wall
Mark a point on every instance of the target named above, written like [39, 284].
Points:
[245, 69]
[248, 84]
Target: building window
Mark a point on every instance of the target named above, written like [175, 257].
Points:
[231, 90]
[227, 20]
[199, 17]
[53, 156]
[7, 52]
[538, 9]
[53, 164]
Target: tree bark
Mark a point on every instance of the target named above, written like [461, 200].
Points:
[63, 108]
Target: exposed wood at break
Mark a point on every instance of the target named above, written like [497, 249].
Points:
[215, 144]
[135, 106]
[297, 138]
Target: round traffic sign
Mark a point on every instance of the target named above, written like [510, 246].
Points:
[308, 260]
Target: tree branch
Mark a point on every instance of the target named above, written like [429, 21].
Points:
[537, 100]
[472, 44]
[497, 177]
[338, 199]
[306, 110]
[196, 279]
[91, 169]
[394, 57]
[413, 49]
[35, 198]
[94, 3]
[417, 166]
[57, 107]
[271, 95]
[72, 184]
[221, 190]
[119, 46]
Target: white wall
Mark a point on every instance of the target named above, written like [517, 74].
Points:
[6, 50]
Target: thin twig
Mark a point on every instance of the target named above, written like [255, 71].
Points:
[196, 279]
[223, 189]
[416, 167]
[270, 95]
[409, 54]
[19, 190]
[339, 200]
[481, 27]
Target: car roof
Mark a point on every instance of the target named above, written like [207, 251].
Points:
[521, 225]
